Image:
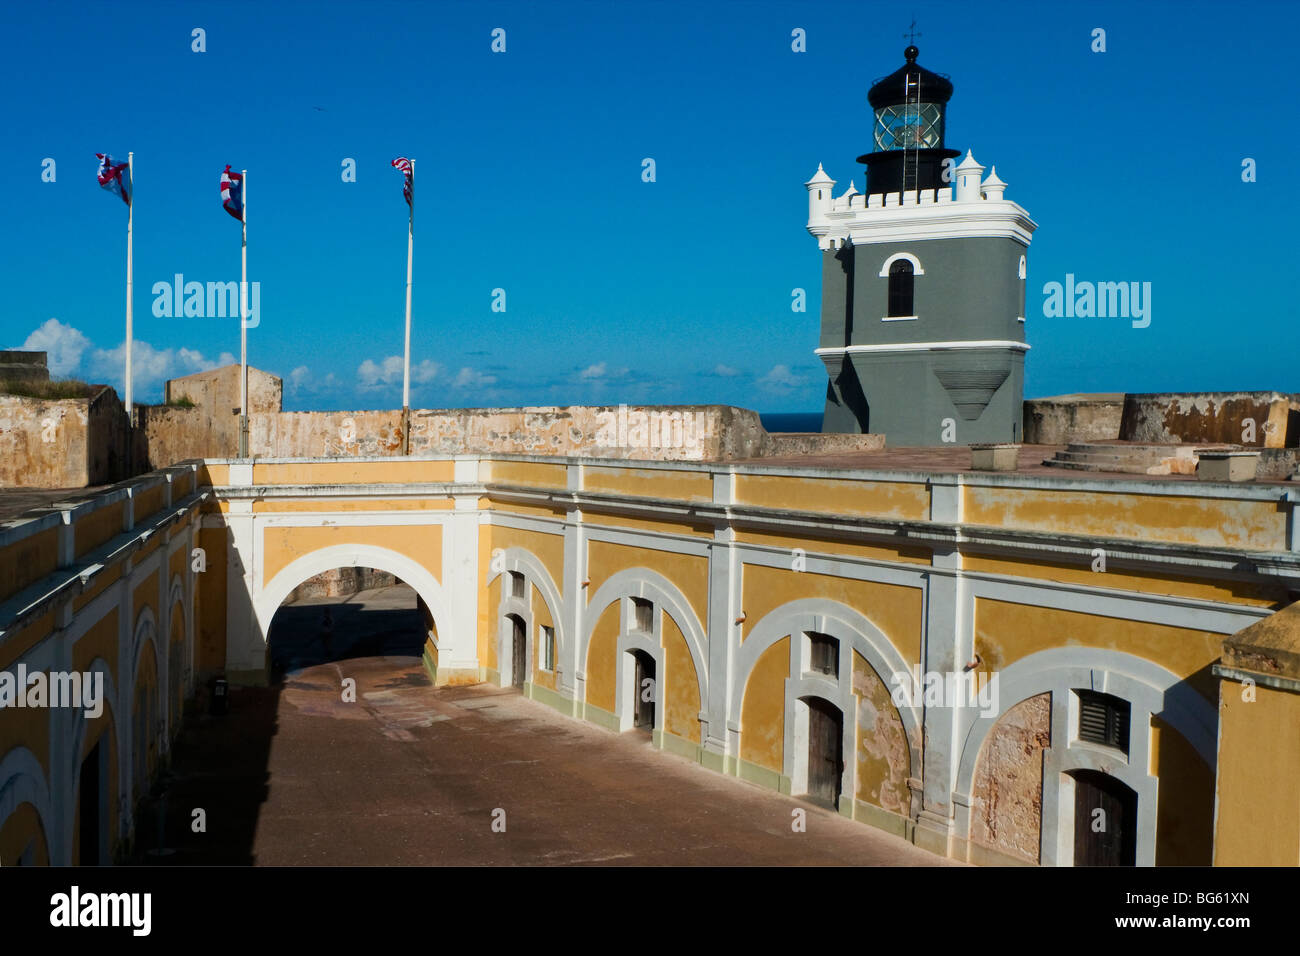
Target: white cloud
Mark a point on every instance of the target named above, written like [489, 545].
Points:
[780, 377]
[302, 381]
[63, 343]
[726, 371]
[601, 372]
[150, 366]
[472, 378]
[371, 374]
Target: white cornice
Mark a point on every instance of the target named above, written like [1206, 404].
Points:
[985, 218]
[926, 346]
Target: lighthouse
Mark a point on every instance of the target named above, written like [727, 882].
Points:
[923, 280]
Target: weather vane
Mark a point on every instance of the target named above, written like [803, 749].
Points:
[911, 35]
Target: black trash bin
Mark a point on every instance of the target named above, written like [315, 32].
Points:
[219, 697]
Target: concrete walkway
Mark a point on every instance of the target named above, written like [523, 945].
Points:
[412, 774]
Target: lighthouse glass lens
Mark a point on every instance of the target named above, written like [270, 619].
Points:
[910, 126]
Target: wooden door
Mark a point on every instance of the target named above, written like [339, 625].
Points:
[825, 750]
[517, 648]
[647, 691]
[1105, 821]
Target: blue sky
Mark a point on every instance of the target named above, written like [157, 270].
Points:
[529, 180]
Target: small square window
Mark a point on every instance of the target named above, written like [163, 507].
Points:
[643, 615]
[823, 654]
[516, 584]
[1103, 719]
[548, 648]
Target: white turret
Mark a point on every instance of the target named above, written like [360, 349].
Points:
[969, 174]
[819, 201]
[993, 187]
[846, 200]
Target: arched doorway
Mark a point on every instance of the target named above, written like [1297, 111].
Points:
[1105, 820]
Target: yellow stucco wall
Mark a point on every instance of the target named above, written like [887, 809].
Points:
[1209, 522]
[1258, 820]
[281, 546]
[547, 548]
[649, 482]
[541, 618]
[20, 640]
[27, 560]
[210, 602]
[531, 473]
[344, 472]
[1185, 802]
[99, 641]
[1005, 633]
[762, 714]
[836, 496]
[884, 760]
[679, 687]
[1147, 582]
[836, 547]
[95, 528]
[894, 609]
[688, 573]
[601, 661]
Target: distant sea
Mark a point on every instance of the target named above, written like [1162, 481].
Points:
[791, 421]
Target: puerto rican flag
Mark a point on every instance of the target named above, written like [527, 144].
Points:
[408, 187]
[115, 177]
[232, 193]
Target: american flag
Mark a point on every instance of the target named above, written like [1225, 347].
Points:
[408, 187]
[110, 177]
[232, 193]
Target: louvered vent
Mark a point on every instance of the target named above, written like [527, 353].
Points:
[1103, 719]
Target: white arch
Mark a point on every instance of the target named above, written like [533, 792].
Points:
[826, 617]
[916, 264]
[520, 559]
[146, 628]
[22, 780]
[74, 753]
[645, 583]
[1150, 689]
[271, 595]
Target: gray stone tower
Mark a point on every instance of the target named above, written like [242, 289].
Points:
[923, 281]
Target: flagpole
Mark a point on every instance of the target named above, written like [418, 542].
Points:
[406, 366]
[243, 319]
[130, 213]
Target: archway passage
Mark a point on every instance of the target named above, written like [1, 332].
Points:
[344, 614]
[1105, 820]
[825, 751]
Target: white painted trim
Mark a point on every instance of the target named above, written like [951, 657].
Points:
[926, 346]
[898, 318]
[22, 780]
[916, 264]
[270, 596]
[645, 583]
[1150, 690]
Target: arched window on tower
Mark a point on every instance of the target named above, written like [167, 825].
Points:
[902, 283]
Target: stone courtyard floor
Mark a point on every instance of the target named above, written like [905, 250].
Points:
[412, 774]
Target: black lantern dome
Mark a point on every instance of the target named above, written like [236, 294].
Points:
[910, 107]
